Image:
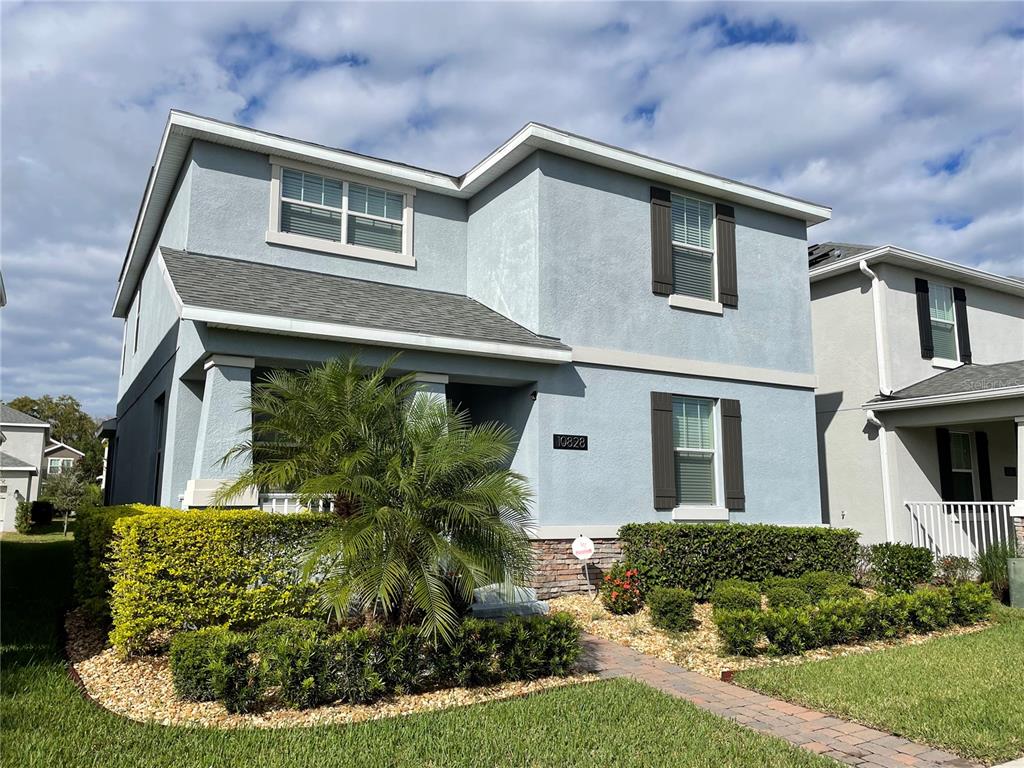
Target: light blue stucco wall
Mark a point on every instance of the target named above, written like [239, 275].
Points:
[230, 211]
[595, 276]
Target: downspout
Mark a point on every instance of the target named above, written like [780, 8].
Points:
[885, 390]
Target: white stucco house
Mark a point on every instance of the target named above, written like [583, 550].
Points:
[23, 441]
[920, 399]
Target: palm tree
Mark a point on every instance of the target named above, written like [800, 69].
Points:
[431, 509]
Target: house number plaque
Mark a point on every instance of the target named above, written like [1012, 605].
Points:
[570, 442]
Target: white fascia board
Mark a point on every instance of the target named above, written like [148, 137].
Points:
[373, 336]
[615, 358]
[951, 399]
[23, 425]
[58, 445]
[913, 260]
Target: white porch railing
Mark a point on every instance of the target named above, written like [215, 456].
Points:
[960, 527]
[286, 503]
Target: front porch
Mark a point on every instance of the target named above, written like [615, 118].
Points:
[954, 445]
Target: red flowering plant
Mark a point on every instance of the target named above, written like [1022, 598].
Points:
[620, 589]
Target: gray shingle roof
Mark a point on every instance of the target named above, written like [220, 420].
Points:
[216, 282]
[966, 378]
[827, 253]
[10, 416]
[9, 462]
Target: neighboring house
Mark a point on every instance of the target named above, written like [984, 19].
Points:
[60, 457]
[22, 442]
[643, 328]
[920, 367]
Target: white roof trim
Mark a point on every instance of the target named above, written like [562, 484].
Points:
[56, 445]
[373, 336]
[182, 128]
[914, 260]
[955, 398]
[24, 424]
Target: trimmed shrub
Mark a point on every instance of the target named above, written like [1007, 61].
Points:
[970, 602]
[94, 532]
[773, 582]
[953, 569]
[837, 621]
[787, 597]
[843, 592]
[23, 518]
[887, 616]
[620, 590]
[900, 567]
[234, 676]
[817, 583]
[293, 657]
[736, 595]
[191, 657]
[739, 630]
[42, 512]
[788, 630]
[530, 648]
[352, 670]
[400, 663]
[671, 608]
[174, 569]
[697, 556]
[931, 608]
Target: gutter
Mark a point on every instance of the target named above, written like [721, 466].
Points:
[883, 456]
[879, 318]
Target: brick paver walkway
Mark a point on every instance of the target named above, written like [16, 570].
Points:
[847, 742]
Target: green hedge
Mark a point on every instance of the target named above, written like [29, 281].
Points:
[174, 569]
[697, 556]
[900, 567]
[301, 665]
[94, 531]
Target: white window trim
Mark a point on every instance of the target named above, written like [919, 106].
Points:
[277, 237]
[706, 511]
[944, 362]
[682, 301]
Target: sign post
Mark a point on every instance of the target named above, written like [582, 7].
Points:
[583, 549]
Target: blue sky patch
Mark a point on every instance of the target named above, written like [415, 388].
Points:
[956, 223]
[750, 32]
[643, 113]
[951, 164]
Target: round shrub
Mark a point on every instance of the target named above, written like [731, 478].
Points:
[900, 567]
[888, 616]
[787, 597]
[781, 581]
[736, 595]
[843, 592]
[671, 608]
[620, 590]
[953, 569]
[817, 583]
[739, 630]
[234, 676]
[970, 602]
[931, 608]
[191, 657]
[835, 620]
[788, 630]
[23, 518]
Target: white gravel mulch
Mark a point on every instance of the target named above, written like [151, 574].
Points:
[140, 688]
[700, 650]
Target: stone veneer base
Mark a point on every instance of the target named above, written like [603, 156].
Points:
[558, 572]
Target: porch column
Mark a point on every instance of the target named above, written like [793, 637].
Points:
[224, 421]
[431, 385]
[1018, 504]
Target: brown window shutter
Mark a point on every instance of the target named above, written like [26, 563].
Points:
[984, 466]
[945, 463]
[661, 241]
[725, 223]
[963, 334]
[663, 451]
[924, 319]
[732, 455]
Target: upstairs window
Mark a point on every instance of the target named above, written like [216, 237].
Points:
[693, 248]
[56, 466]
[943, 321]
[347, 216]
[693, 434]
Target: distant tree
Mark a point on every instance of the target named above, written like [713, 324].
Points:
[67, 491]
[69, 424]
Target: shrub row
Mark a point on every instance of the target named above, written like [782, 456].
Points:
[303, 665]
[698, 556]
[175, 569]
[900, 567]
[782, 591]
[94, 532]
[792, 629]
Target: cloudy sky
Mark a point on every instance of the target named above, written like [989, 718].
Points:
[907, 119]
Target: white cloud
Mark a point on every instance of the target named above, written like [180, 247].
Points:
[853, 109]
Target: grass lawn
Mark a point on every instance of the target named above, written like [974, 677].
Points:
[964, 694]
[46, 722]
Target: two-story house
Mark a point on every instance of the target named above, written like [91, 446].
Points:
[920, 367]
[23, 442]
[644, 328]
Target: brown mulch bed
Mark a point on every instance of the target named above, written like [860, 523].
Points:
[700, 650]
[140, 688]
